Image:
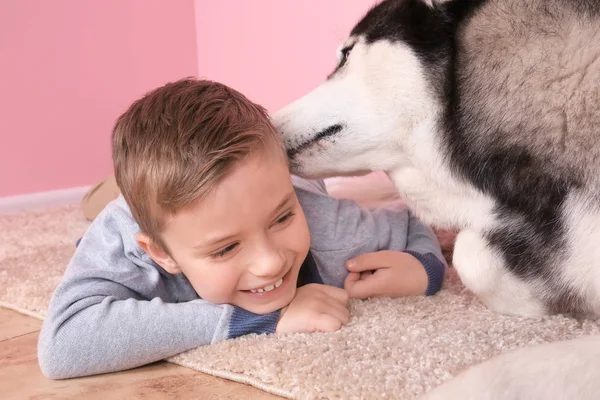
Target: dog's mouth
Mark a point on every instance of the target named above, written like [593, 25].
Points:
[325, 133]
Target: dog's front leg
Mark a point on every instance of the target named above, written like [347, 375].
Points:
[482, 270]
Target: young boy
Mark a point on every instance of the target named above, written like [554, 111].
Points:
[210, 241]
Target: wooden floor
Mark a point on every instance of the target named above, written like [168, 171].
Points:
[21, 378]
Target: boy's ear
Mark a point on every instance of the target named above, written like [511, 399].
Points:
[157, 253]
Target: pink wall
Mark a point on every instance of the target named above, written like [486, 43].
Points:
[272, 50]
[68, 68]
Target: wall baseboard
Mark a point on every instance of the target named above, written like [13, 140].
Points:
[15, 204]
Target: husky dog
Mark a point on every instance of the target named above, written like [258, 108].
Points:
[486, 116]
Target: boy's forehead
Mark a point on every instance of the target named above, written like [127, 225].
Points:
[263, 175]
[249, 194]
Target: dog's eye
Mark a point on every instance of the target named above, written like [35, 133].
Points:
[345, 53]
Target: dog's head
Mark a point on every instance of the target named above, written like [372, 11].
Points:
[387, 83]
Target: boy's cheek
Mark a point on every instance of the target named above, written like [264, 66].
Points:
[214, 289]
[303, 233]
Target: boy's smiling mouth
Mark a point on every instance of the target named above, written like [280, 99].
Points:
[268, 288]
[272, 288]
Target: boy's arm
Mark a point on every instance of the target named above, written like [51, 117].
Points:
[114, 310]
[342, 230]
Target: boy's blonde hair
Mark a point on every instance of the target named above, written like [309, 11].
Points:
[174, 145]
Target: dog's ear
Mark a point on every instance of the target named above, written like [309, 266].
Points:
[435, 3]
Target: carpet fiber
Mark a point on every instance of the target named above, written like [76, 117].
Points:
[390, 349]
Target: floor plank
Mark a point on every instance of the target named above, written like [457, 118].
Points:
[13, 324]
[21, 378]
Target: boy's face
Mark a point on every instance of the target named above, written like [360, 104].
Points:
[244, 243]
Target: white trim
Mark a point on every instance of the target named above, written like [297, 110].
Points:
[15, 204]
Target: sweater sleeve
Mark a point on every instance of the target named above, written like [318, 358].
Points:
[424, 246]
[341, 229]
[115, 309]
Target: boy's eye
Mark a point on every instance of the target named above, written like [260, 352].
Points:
[224, 251]
[284, 218]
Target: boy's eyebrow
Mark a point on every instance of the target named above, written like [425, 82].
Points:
[217, 240]
[285, 200]
[213, 242]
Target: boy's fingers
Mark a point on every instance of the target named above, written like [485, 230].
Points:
[366, 275]
[328, 323]
[364, 288]
[350, 279]
[337, 294]
[340, 312]
[360, 278]
[367, 261]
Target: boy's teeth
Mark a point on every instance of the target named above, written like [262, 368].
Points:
[268, 288]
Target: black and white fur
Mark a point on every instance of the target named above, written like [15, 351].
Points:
[486, 116]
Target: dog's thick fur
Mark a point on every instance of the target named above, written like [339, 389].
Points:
[566, 370]
[486, 116]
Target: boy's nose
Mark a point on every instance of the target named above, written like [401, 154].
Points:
[269, 263]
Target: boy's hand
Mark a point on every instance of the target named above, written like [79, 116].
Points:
[385, 274]
[315, 308]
